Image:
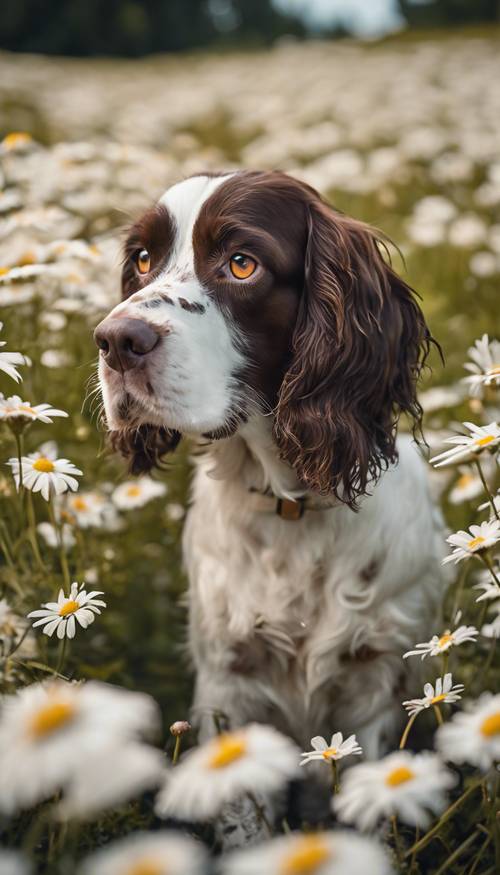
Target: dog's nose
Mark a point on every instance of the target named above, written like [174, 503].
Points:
[124, 342]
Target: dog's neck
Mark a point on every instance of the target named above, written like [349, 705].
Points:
[251, 457]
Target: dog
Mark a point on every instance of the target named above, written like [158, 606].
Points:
[273, 330]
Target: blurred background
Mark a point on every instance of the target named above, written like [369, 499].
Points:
[391, 109]
[140, 27]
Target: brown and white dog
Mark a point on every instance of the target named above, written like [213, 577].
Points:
[258, 318]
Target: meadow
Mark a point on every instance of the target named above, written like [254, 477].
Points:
[405, 135]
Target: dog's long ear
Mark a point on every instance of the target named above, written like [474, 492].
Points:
[145, 446]
[358, 348]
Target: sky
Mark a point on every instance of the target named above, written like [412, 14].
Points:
[368, 18]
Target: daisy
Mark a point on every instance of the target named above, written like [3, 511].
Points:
[319, 853]
[148, 853]
[487, 504]
[467, 487]
[467, 231]
[175, 512]
[253, 759]
[16, 141]
[492, 630]
[137, 493]
[12, 629]
[485, 365]
[48, 730]
[14, 408]
[439, 397]
[9, 360]
[489, 590]
[11, 625]
[441, 643]
[401, 784]
[51, 536]
[473, 736]
[89, 510]
[476, 540]
[49, 476]
[111, 777]
[336, 750]
[481, 438]
[445, 691]
[62, 615]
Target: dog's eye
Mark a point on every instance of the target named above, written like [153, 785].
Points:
[143, 261]
[242, 266]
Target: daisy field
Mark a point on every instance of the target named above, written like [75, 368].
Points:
[100, 770]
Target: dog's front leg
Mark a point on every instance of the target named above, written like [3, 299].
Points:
[223, 703]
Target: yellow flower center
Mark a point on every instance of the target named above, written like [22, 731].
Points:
[133, 491]
[330, 753]
[27, 257]
[79, 503]
[68, 608]
[146, 866]
[25, 408]
[51, 717]
[437, 699]
[475, 543]
[309, 854]
[464, 480]
[491, 726]
[445, 639]
[399, 776]
[484, 441]
[226, 749]
[4, 271]
[16, 138]
[44, 465]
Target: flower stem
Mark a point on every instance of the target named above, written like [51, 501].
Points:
[19, 447]
[489, 565]
[397, 843]
[491, 655]
[446, 656]
[5, 547]
[439, 716]
[335, 776]
[486, 489]
[404, 737]
[59, 536]
[479, 855]
[444, 817]
[454, 856]
[260, 812]
[32, 533]
[413, 861]
[34, 834]
[62, 655]
[177, 749]
[458, 590]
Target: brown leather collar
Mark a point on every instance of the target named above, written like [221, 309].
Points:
[287, 508]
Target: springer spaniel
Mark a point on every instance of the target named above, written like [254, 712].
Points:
[260, 320]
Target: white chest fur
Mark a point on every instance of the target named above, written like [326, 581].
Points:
[294, 612]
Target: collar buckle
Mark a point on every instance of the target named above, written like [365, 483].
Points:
[290, 510]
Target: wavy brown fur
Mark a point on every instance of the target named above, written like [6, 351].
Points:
[358, 348]
[144, 446]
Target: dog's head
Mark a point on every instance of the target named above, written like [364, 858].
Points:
[246, 292]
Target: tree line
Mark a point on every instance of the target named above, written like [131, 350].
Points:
[141, 27]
